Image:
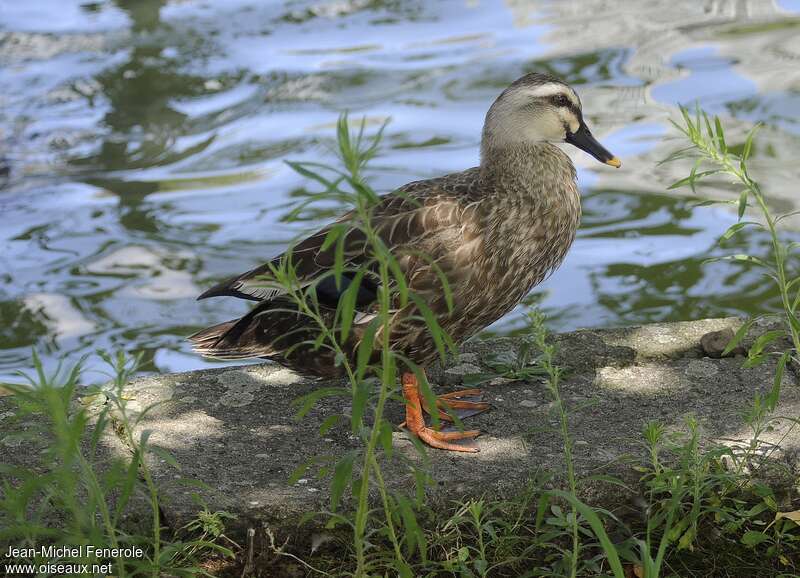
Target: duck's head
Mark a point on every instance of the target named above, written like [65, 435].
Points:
[540, 108]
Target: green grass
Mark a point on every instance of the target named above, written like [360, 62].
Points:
[72, 493]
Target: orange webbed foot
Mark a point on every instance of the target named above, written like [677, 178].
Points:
[454, 402]
[463, 404]
[444, 440]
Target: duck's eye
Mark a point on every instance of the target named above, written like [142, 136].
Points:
[562, 100]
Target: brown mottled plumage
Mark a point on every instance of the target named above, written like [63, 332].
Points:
[495, 231]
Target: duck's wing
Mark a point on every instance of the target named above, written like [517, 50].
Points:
[308, 259]
[408, 217]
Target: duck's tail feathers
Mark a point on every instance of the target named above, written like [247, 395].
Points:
[216, 342]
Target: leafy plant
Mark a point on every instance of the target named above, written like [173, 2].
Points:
[522, 367]
[372, 370]
[71, 493]
[714, 156]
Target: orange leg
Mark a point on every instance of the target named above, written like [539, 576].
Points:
[415, 422]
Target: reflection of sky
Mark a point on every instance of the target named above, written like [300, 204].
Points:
[715, 82]
[634, 139]
[711, 80]
[789, 5]
[777, 108]
[255, 39]
[62, 16]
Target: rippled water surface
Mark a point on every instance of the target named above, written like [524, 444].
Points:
[142, 146]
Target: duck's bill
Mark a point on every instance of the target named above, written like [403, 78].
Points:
[584, 140]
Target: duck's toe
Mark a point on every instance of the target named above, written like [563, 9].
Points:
[454, 441]
[462, 404]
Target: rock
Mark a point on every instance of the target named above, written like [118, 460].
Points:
[464, 369]
[715, 342]
[239, 434]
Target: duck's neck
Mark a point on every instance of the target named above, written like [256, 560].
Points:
[526, 163]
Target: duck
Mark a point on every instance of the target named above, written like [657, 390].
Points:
[494, 232]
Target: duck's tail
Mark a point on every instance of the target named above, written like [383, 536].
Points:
[214, 342]
[270, 330]
[273, 330]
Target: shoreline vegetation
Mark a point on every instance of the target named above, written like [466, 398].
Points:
[700, 506]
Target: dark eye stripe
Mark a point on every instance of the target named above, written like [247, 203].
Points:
[559, 100]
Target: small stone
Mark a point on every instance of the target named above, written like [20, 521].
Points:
[500, 381]
[506, 357]
[468, 358]
[262, 456]
[715, 342]
[581, 443]
[529, 403]
[318, 539]
[464, 369]
[281, 428]
[606, 455]
[253, 503]
[302, 482]
[312, 490]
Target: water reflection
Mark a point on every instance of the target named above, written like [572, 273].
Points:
[142, 125]
[144, 141]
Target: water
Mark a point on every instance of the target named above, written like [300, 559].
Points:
[142, 147]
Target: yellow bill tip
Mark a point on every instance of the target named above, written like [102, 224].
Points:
[614, 162]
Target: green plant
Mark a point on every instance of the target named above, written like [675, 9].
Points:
[713, 485]
[72, 493]
[203, 536]
[522, 367]
[714, 156]
[691, 492]
[553, 373]
[372, 373]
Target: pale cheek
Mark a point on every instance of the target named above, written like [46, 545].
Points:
[556, 131]
[574, 125]
[570, 121]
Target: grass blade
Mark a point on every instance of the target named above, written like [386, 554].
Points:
[597, 527]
